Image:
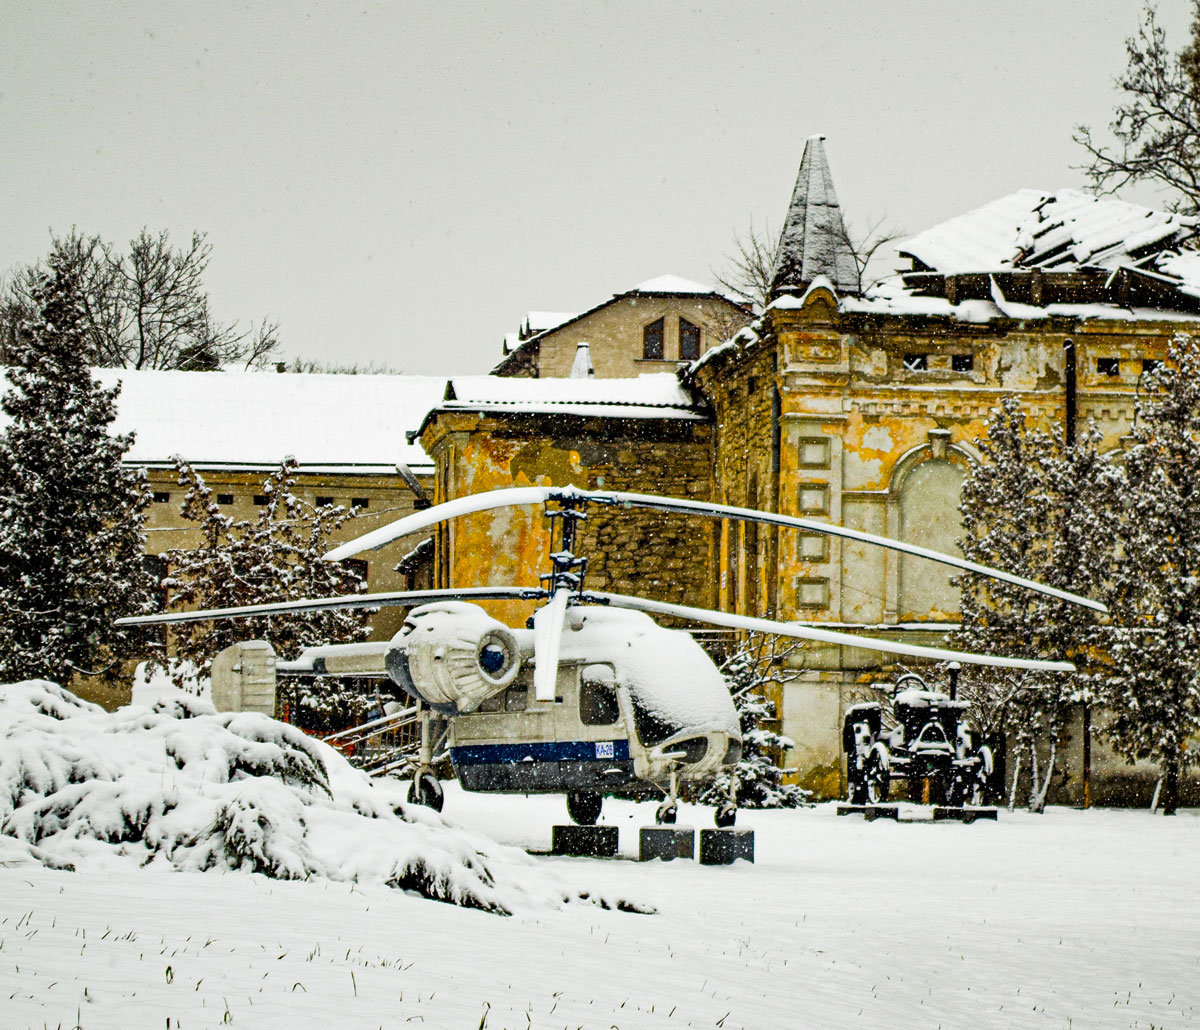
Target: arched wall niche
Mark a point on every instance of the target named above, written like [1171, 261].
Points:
[923, 509]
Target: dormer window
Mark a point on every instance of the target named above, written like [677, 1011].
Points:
[689, 340]
[652, 341]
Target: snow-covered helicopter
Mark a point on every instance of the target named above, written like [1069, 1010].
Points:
[593, 698]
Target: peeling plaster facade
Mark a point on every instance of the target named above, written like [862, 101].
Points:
[871, 421]
[650, 553]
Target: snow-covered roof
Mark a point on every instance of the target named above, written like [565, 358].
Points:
[1062, 231]
[255, 419]
[1035, 255]
[672, 284]
[656, 395]
[540, 321]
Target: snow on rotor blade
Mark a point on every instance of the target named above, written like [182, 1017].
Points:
[321, 604]
[672, 504]
[547, 644]
[418, 521]
[790, 629]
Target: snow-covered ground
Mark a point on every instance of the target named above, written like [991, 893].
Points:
[1071, 919]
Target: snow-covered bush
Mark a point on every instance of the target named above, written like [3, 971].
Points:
[759, 775]
[180, 783]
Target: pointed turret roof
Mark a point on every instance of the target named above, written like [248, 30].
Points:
[814, 239]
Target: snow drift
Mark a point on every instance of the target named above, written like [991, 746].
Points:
[180, 783]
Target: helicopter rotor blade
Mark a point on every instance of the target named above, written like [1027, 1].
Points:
[518, 496]
[418, 521]
[654, 502]
[791, 629]
[401, 598]
[547, 644]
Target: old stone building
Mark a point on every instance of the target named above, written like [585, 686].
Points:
[346, 431]
[646, 434]
[864, 408]
[858, 407]
[655, 327]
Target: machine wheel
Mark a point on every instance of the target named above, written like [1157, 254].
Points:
[876, 779]
[667, 813]
[856, 782]
[426, 790]
[970, 789]
[584, 807]
[725, 815]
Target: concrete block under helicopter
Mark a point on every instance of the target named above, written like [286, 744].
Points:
[592, 698]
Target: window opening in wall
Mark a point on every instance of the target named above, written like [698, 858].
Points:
[652, 340]
[962, 362]
[260, 500]
[916, 362]
[812, 593]
[224, 498]
[360, 502]
[161, 497]
[1108, 366]
[689, 340]
[1150, 364]
[323, 500]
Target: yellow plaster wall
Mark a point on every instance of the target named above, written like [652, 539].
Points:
[663, 557]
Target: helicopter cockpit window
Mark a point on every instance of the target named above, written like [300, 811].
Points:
[651, 729]
[597, 697]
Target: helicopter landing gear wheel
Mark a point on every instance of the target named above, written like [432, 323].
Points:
[725, 815]
[666, 813]
[584, 808]
[876, 779]
[426, 790]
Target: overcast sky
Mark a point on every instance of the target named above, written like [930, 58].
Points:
[400, 182]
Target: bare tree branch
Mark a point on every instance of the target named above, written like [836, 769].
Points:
[1157, 121]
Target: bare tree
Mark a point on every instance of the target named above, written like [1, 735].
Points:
[1157, 122]
[864, 247]
[750, 267]
[145, 308]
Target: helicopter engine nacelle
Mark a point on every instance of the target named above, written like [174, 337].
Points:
[453, 655]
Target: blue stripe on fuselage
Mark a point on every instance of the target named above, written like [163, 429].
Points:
[542, 751]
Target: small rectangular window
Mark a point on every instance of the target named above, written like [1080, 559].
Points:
[1108, 366]
[260, 500]
[652, 340]
[323, 500]
[813, 453]
[916, 362]
[516, 699]
[360, 502]
[597, 703]
[224, 498]
[812, 547]
[962, 362]
[812, 593]
[161, 497]
[689, 340]
[813, 498]
[1150, 364]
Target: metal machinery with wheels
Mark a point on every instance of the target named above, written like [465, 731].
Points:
[927, 737]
